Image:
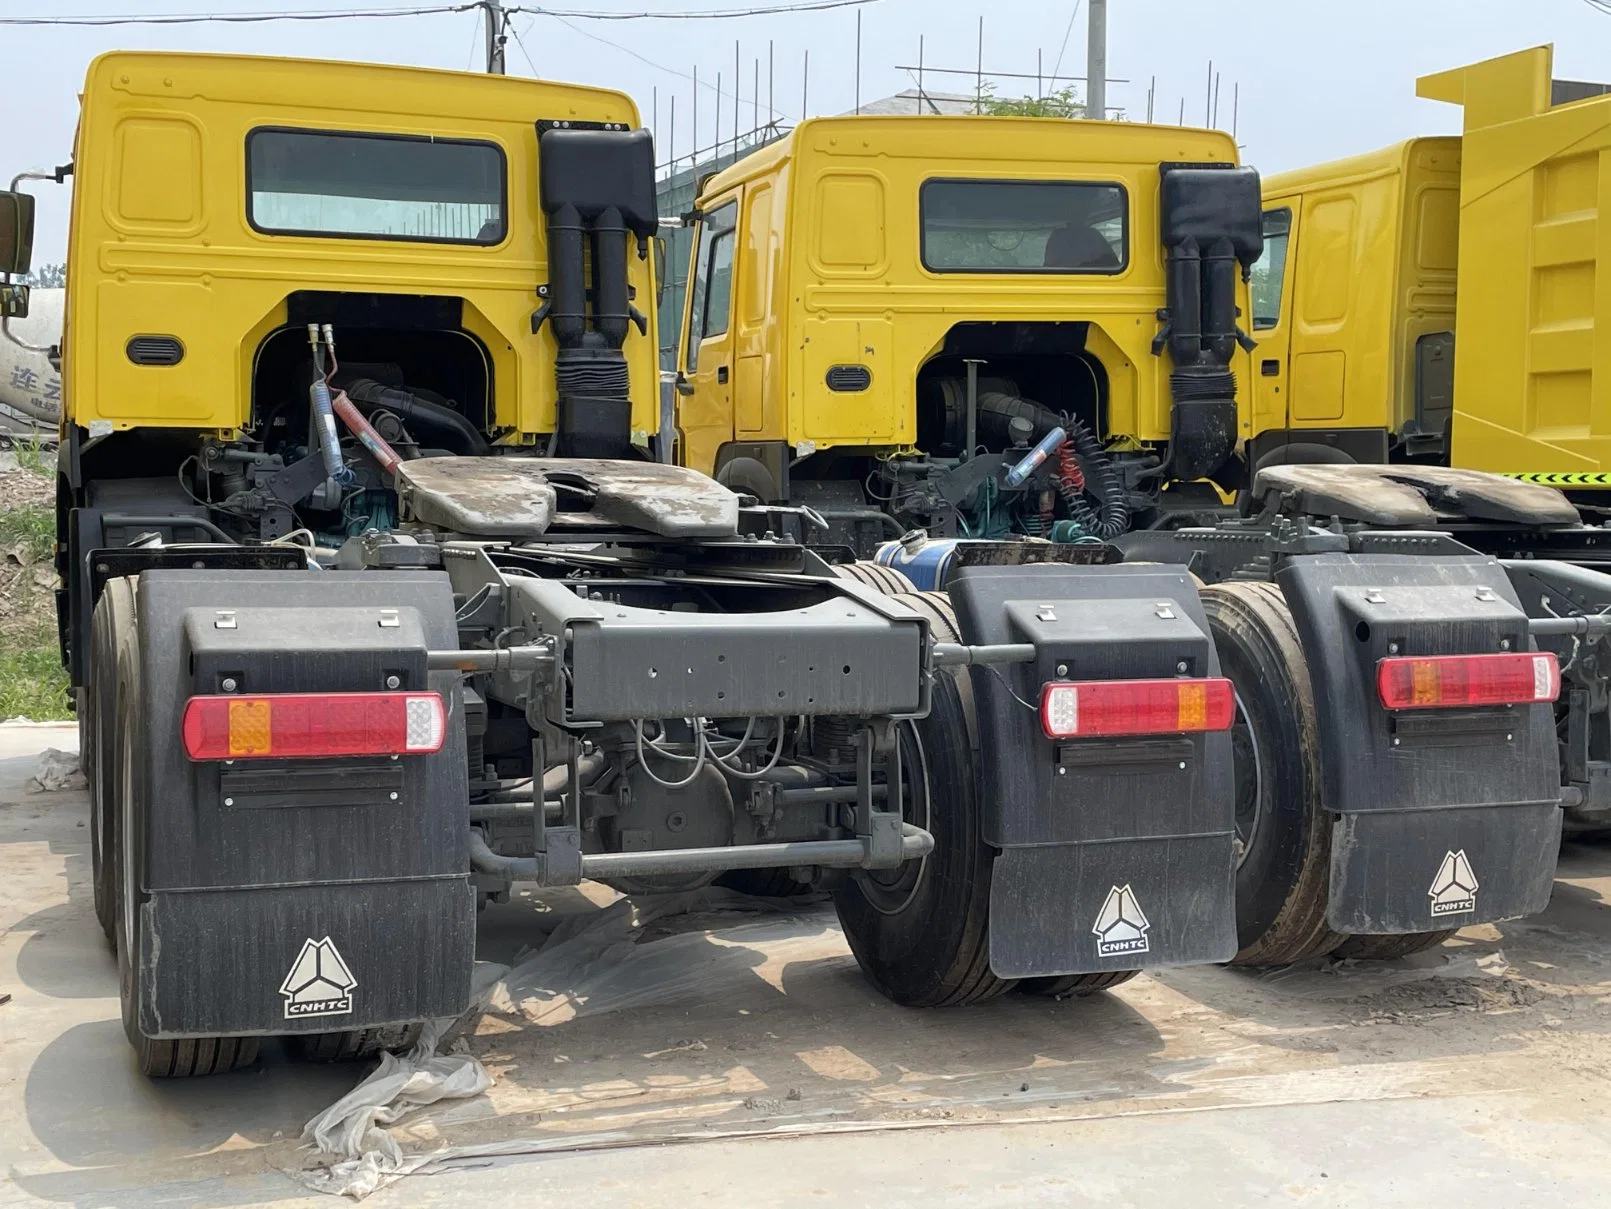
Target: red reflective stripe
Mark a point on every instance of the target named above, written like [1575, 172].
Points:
[1086, 708]
[305, 725]
[1451, 681]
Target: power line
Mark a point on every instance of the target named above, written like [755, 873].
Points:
[524, 53]
[303, 14]
[721, 93]
[1063, 49]
[698, 14]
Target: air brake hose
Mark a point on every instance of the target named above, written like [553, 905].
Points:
[325, 424]
[365, 432]
[1101, 478]
[368, 395]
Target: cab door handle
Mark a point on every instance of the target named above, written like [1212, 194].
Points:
[1270, 369]
[721, 374]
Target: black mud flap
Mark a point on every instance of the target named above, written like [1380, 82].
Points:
[1444, 817]
[294, 959]
[287, 896]
[1115, 854]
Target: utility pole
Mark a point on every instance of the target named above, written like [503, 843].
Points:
[1096, 61]
[496, 37]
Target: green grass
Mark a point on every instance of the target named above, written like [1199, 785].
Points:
[32, 680]
[32, 455]
[35, 525]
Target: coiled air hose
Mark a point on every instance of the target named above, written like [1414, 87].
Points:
[1083, 465]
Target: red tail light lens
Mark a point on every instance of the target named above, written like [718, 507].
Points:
[1449, 681]
[1084, 708]
[304, 725]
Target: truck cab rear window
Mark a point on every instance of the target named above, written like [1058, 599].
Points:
[375, 186]
[1024, 227]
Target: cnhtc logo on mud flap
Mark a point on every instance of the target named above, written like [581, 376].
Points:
[1120, 926]
[319, 984]
[1454, 889]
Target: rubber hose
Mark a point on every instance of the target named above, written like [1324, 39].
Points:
[325, 425]
[365, 432]
[369, 394]
[997, 409]
[1102, 480]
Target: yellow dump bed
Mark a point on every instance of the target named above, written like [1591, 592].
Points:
[1533, 362]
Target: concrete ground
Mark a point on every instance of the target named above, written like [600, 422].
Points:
[737, 1059]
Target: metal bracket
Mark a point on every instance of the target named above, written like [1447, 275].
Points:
[880, 830]
[558, 849]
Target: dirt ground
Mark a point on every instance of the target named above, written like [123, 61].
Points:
[1473, 1075]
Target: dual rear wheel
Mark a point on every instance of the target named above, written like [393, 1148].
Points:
[921, 932]
[1283, 831]
[114, 758]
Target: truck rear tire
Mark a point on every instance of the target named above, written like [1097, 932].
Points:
[160, 1059]
[921, 933]
[1283, 829]
[354, 1044]
[114, 614]
[1076, 984]
[880, 578]
[1391, 948]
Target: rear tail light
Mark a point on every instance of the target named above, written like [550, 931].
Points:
[1085, 708]
[1449, 681]
[302, 725]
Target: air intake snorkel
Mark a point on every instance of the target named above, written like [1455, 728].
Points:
[1211, 221]
[598, 193]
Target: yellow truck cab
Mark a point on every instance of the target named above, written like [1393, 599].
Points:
[1437, 301]
[209, 224]
[875, 299]
[1354, 304]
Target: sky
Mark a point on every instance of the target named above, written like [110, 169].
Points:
[1312, 80]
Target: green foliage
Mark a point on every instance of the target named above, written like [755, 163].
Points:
[33, 683]
[33, 527]
[32, 455]
[1064, 103]
[47, 277]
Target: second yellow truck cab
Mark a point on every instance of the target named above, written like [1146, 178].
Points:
[1354, 304]
[874, 300]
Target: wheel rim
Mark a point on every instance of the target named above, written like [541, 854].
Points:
[1248, 767]
[891, 891]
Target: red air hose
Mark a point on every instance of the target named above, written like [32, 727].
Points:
[365, 432]
[1069, 466]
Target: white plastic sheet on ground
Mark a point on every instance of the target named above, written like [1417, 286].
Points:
[57, 770]
[600, 960]
[605, 961]
[354, 1155]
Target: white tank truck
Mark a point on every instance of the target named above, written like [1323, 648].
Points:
[30, 387]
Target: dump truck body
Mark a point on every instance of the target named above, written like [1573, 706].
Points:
[1435, 301]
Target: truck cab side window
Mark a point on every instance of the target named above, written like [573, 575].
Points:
[719, 298]
[1270, 270]
[711, 291]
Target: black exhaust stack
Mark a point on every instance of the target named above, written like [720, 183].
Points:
[1212, 223]
[597, 191]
